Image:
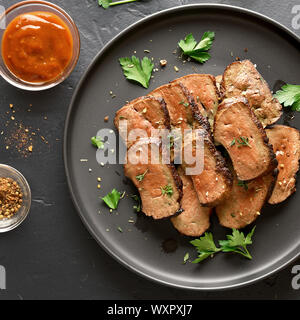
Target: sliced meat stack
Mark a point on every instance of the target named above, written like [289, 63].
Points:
[214, 183]
[231, 111]
[159, 184]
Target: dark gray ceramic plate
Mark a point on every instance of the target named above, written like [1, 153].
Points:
[141, 246]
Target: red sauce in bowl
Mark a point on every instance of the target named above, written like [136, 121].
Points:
[37, 47]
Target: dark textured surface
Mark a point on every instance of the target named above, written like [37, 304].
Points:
[52, 255]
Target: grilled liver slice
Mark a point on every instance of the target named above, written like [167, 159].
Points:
[242, 79]
[204, 91]
[214, 183]
[253, 156]
[195, 219]
[286, 144]
[148, 113]
[154, 202]
[246, 201]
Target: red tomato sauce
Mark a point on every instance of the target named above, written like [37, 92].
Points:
[37, 47]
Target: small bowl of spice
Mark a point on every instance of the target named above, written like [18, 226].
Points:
[39, 44]
[15, 198]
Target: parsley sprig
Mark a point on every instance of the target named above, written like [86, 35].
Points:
[108, 3]
[198, 51]
[236, 243]
[205, 247]
[136, 70]
[141, 177]
[289, 96]
[167, 190]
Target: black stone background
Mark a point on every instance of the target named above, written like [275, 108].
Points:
[52, 256]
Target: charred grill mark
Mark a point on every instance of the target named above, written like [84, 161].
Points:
[178, 181]
[195, 109]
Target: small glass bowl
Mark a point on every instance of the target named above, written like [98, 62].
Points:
[8, 224]
[32, 6]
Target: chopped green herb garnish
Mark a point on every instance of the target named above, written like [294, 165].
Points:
[112, 199]
[243, 141]
[97, 142]
[186, 258]
[168, 190]
[289, 96]
[232, 143]
[137, 207]
[243, 184]
[120, 229]
[108, 3]
[198, 51]
[141, 176]
[186, 104]
[136, 70]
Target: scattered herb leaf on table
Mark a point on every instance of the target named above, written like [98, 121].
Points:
[108, 3]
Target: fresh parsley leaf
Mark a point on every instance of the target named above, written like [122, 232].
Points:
[198, 51]
[237, 242]
[136, 70]
[188, 44]
[108, 3]
[289, 96]
[205, 247]
[243, 184]
[137, 207]
[97, 142]
[112, 199]
[168, 190]
[141, 177]
[206, 41]
[104, 3]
